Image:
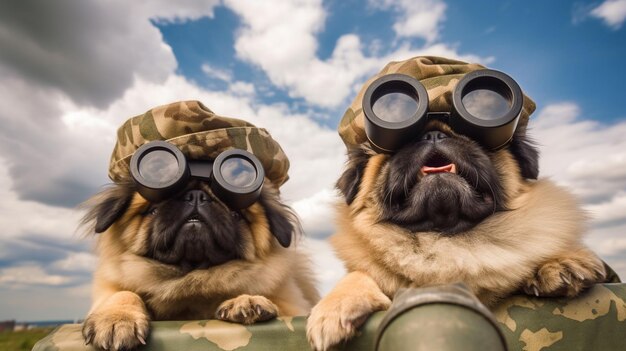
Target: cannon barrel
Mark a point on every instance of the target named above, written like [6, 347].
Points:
[444, 318]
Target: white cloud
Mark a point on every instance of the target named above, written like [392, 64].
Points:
[18, 217]
[29, 275]
[78, 54]
[77, 262]
[421, 19]
[317, 213]
[327, 267]
[217, 73]
[242, 89]
[609, 244]
[612, 12]
[91, 50]
[48, 160]
[307, 144]
[170, 11]
[610, 211]
[581, 153]
[588, 157]
[279, 37]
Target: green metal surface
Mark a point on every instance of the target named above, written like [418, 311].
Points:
[440, 327]
[596, 320]
[444, 317]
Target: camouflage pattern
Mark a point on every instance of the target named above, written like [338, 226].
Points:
[596, 320]
[199, 134]
[438, 75]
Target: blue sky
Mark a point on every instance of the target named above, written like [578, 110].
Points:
[71, 72]
[554, 49]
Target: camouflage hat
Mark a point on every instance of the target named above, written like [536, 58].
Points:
[438, 75]
[199, 134]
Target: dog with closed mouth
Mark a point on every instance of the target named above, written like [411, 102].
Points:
[191, 254]
[443, 208]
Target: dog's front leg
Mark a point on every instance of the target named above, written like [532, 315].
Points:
[119, 322]
[337, 316]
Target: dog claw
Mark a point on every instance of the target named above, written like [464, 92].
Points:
[141, 339]
[89, 338]
[536, 291]
[600, 272]
[565, 279]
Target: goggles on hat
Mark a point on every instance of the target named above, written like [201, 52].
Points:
[486, 106]
[160, 170]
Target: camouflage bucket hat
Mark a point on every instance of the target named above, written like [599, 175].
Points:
[438, 75]
[200, 134]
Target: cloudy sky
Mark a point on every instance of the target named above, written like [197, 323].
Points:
[72, 71]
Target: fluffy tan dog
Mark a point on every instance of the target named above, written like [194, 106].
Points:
[191, 256]
[485, 221]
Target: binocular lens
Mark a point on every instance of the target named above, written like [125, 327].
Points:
[486, 104]
[395, 106]
[238, 172]
[158, 166]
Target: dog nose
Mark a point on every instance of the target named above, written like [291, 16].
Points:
[434, 136]
[196, 197]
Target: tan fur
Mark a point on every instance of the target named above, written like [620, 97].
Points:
[492, 259]
[277, 280]
[341, 312]
[531, 247]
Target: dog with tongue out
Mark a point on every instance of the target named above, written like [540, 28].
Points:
[448, 204]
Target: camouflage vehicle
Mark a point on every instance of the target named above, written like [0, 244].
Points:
[443, 318]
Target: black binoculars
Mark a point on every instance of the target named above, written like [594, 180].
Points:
[160, 170]
[486, 106]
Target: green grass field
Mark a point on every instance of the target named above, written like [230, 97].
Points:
[22, 340]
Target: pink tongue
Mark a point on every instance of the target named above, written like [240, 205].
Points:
[451, 168]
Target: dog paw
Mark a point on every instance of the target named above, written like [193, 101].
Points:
[247, 309]
[566, 276]
[335, 320]
[116, 329]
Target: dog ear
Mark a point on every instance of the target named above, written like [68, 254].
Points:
[281, 218]
[525, 152]
[108, 206]
[348, 183]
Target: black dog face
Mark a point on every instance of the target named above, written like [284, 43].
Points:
[440, 182]
[192, 230]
